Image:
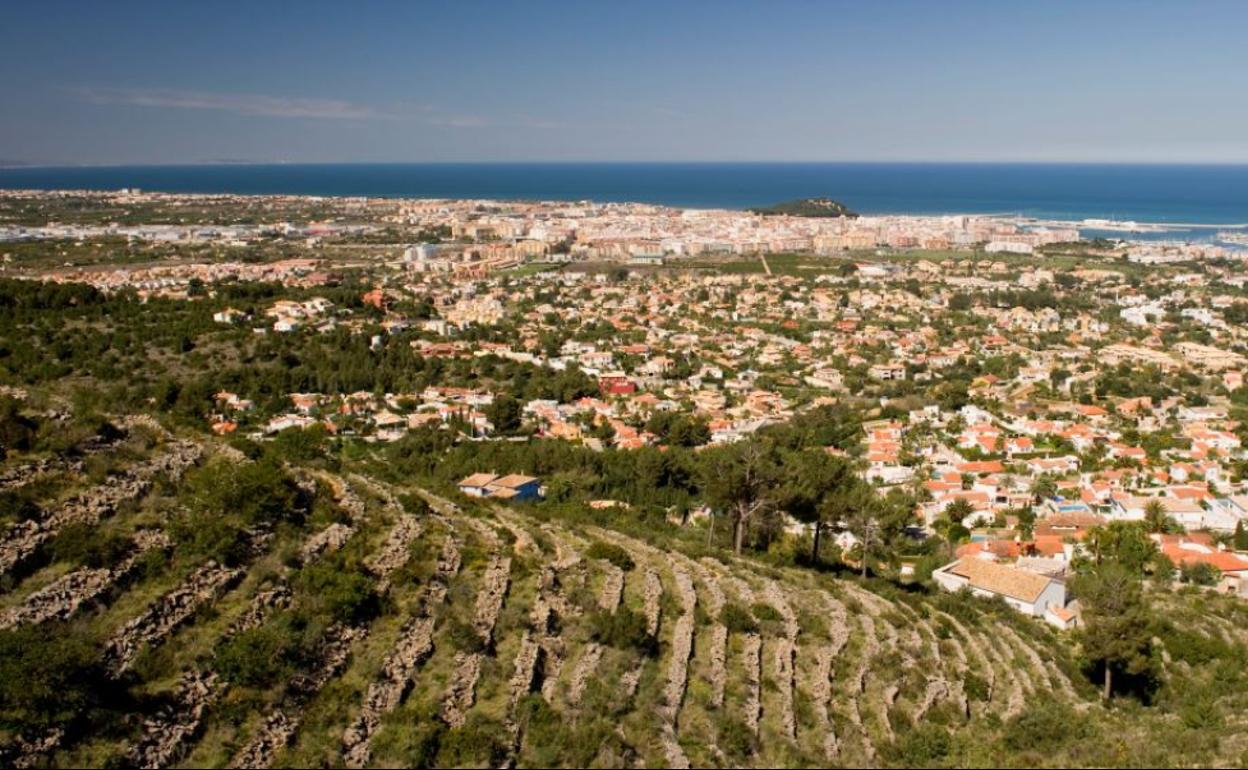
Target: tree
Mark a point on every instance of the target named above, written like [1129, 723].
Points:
[49, 675]
[1117, 634]
[877, 523]
[1043, 487]
[1200, 574]
[817, 491]
[1157, 518]
[1241, 537]
[504, 413]
[1125, 543]
[950, 525]
[959, 509]
[739, 479]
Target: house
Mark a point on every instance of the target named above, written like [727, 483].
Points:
[1028, 592]
[616, 384]
[1232, 568]
[1064, 618]
[513, 486]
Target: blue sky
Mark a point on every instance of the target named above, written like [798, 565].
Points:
[139, 82]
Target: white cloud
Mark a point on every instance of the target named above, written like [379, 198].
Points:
[257, 105]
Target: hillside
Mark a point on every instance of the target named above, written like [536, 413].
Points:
[234, 611]
[807, 207]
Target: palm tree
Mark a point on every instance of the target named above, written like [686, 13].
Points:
[1157, 518]
[1043, 487]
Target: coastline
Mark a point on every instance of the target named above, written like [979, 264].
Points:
[1114, 200]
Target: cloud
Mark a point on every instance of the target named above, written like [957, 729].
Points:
[457, 121]
[254, 105]
[260, 105]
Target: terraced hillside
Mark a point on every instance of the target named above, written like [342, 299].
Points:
[387, 626]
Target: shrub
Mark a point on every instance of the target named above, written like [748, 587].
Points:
[624, 629]
[49, 674]
[1200, 574]
[464, 636]
[478, 743]
[346, 596]
[263, 656]
[86, 546]
[612, 553]
[925, 746]
[414, 504]
[1046, 727]
[975, 686]
[737, 619]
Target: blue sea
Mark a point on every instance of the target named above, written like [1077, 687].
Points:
[1193, 194]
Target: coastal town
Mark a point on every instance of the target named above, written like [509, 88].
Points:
[980, 410]
[1027, 384]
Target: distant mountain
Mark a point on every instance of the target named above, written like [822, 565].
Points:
[807, 207]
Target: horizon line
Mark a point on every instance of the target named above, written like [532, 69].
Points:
[19, 165]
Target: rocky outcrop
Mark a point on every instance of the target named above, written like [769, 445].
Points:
[31, 751]
[785, 657]
[490, 598]
[612, 588]
[165, 733]
[821, 698]
[652, 596]
[19, 476]
[937, 688]
[583, 672]
[718, 637]
[395, 551]
[90, 507]
[328, 540]
[262, 606]
[870, 648]
[62, 598]
[461, 692]
[752, 663]
[678, 668]
[201, 587]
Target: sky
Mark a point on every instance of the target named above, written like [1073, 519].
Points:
[124, 82]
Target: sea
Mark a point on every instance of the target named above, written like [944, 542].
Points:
[1193, 201]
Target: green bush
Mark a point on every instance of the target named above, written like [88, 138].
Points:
[1200, 574]
[624, 629]
[263, 656]
[464, 636]
[975, 687]
[414, 504]
[83, 545]
[326, 589]
[737, 619]
[925, 746]
[612, 553]
[49, 674]
[478, 743]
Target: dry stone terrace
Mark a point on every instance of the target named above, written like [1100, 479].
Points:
[499, 624]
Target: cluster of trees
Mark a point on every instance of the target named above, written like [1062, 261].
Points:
[753, 481]
[751, 484]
